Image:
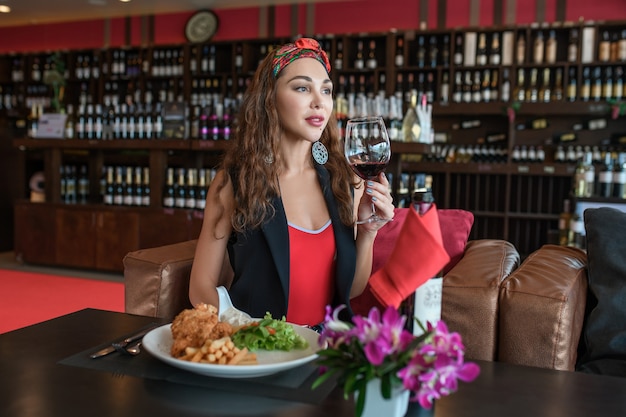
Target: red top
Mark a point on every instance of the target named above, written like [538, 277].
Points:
[312, 273]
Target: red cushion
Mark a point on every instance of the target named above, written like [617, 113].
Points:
[455, 229]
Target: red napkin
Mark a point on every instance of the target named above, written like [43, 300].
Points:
[418, 255]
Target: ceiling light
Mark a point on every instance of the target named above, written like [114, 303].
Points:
[4, 9]
[125, 1]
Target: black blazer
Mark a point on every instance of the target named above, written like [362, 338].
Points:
[260, 260]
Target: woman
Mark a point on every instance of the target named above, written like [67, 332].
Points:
[279, 224]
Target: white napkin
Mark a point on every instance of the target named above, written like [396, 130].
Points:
[227, 311]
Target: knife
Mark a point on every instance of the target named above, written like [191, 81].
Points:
[130, 339]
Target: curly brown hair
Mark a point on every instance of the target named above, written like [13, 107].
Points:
[256, 142]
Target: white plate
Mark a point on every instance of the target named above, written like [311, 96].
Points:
[158, 343]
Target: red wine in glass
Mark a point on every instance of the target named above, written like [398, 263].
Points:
[368, 151]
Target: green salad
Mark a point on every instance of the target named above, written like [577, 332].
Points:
[268, 334]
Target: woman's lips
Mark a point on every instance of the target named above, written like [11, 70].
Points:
[316, 121]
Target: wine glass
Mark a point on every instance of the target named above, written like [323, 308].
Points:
[368, 151]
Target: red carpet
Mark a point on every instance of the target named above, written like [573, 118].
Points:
[27, 298]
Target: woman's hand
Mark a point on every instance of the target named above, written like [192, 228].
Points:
[377, 193]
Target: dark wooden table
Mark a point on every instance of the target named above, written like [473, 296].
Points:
[34, 384]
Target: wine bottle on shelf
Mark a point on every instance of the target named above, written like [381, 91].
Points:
[584, 177]
[544, 90]
[618, 84]
[110, 186]
[359, 62]
[585, 89]
[180, 198]
[433, 51]
[532, 92]
[493, 88]
[621, 47]
[551, 47]
[201, 190]
[572, 47]
[83, 184]
[604, 48]
[505, 92]
[538, 48]
[520, 94]
[421, 51]
[605, 177]
[169, 192]
[557, 91]
[572, 85]
[481, 49]
[444, 90]
[520, 49]
[607, 84]
[596, 85]
[129, 187]
[619, 176]
[445, 51]
[145, 197]
[138, 187]
[191, 188]
[399, 57]
[458, 49]
[457, 94]
[372, 63]
[339, 56]
[494, 53]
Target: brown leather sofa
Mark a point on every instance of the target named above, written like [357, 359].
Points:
[529, 314]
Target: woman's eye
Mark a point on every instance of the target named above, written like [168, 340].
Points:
[301, 88]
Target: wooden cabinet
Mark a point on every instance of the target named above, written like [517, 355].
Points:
[493, 104]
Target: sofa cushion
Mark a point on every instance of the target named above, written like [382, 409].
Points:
[455, 229]
[157, 279]
[604, 335]
[469, 300]
[542, 308]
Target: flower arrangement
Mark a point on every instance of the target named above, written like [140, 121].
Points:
[378, 346]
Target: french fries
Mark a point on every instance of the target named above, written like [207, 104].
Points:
[219, 352]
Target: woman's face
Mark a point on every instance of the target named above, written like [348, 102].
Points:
[304, 99]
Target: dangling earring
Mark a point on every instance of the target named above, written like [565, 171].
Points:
[320, 153]
[269, 159]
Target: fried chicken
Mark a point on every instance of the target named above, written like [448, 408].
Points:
[193, 327]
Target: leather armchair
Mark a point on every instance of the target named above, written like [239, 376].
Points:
[529, 314]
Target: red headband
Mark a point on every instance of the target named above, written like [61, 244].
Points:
[302, 48]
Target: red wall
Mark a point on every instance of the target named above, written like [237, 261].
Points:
[332, 17]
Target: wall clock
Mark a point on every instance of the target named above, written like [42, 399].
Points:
[201, 26]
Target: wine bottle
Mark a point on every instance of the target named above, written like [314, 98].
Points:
[618, 84]
[505, 93]
[359, 62]
[621, 47]
[481, 50]
[129, 187]
[520, 49]
[607, 84]
[585, 90]
[557, 91]
[433, 51]
[551, 47]
[83, 184]
[458, 49]
[544, 89]
[444, 91]
[180, 199]
[605, 177]
[538, 48]
[532, 92]
[572, 85]
[372, 63]
[110, 186]
[339, 56]
[169, 192]
[399, 57]
[118, 194]
[494, 53]
[584, 177]
[138, 187]
[572, 47]
[619, 176]
[604, 49]
[145, 198]
[521, 85]
[191, 188]
[421, 51]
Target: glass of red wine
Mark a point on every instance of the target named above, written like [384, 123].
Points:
[368, 151]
